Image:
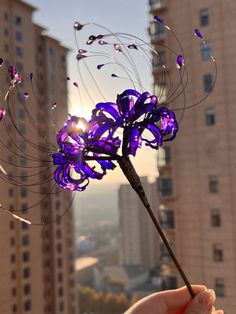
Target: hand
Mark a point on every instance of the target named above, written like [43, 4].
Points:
[177, 302]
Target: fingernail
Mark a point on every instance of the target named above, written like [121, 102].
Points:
[207, 299]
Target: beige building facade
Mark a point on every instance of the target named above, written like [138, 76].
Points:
[37, 262]
[197, 179]
[139, 239]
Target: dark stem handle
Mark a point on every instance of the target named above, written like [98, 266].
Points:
[134, 180]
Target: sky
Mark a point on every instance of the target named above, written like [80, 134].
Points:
[131, 16]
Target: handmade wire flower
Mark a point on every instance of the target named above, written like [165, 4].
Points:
[134, 112]
[137, 113]
[77, 140]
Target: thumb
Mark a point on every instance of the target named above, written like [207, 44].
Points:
[202, 303]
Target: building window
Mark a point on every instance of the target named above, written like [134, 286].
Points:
[19, 52]
[21, 113]
[17, 20]
[13, 292]
[5, 16]
[157, 4]
[26, 256]
[23, 176]
[12, 241]
[61, 306]
[157, 30]
[24, 192]
[60, 277]
[59, 248]
[210, 116]
[164, 254]
[169, 282]
[204, 17]
[58, 205]
[6, 48]
[215, 218]
[5, 32]
[164, 156]
[24, 208]
[13, 258]
[21, 129]
[213, 184]
[13, 275]
[219, 287]
[18, 36]
[165, 187]
[207, 83]
[25, 240]
[22, 145]
[27, 288]
[59, 262]
[27, 305]
[60, 292]
[14, 308]
[218, 255]
[206, 51]
[26, 272]
[167, 219]
[24, 226]
[158, 61]
[12, 225]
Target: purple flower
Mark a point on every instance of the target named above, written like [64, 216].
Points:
[139, 115]
[79, 142]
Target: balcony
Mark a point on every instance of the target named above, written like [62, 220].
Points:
[165, 189]
[157, 32]
[156, 5]
[164, 159]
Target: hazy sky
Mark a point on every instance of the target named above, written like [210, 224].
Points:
[121, 16]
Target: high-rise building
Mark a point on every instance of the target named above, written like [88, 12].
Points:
[37, 262]
[139, 239]
[197, 179]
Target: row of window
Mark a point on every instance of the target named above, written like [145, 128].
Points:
[160, 59]
[167, 218]
[27, 306]
[166, 186]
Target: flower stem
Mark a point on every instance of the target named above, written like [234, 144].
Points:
[134, 180]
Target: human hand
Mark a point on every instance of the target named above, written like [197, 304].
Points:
[177, 302]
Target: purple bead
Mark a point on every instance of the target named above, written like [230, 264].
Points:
[198, 33]
[82, 51]
[180, 61]
[158, 19]
[117, 47]
[68, 78]
[99, 66]
[54, 105]
[78, 26]
[132, 46]
[113, 75]
[1, 61]
[75, 84]
[31, 76]
[2, 113]
[15, 76]
[91, 39]
[102, 42]
[25, 96]
[80, 56]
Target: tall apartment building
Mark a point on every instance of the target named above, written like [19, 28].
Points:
[197, 175]
[139, 239]
[37, 262]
